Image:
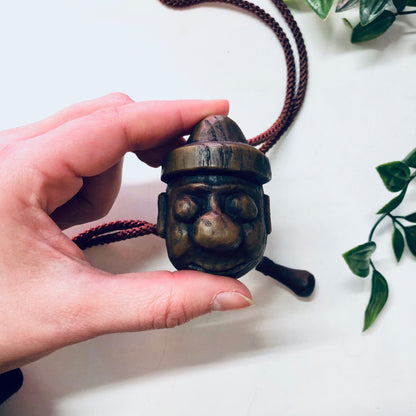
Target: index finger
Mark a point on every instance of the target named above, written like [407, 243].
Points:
[92, 144]
[88, 146]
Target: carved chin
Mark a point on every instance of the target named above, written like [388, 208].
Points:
[215, 263]
[223, 269]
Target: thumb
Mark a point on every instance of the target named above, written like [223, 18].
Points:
[136, 302]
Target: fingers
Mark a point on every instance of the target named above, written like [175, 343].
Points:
[63, 116]
[93, 201]
[155, 157]
[85, 304]
[158, 300]
[90, 145]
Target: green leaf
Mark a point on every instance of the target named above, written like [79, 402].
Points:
[374, 29]
[410, 159]
[399, 5]
[410, 233]
[370, 10]
[321, 7]
[394, 203]
[378, 298]
[395, 175]
[358, 258]
[344, 5]
[398, 243]
[411, 217]
[348, 23]
[411, 3]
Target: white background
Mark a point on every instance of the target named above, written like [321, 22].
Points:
[284, 356]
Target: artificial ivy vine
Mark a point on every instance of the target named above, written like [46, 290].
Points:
[396, 177]
[375, 16]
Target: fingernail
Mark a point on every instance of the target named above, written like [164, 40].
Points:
[226, 301]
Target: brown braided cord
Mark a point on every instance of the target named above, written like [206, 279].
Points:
[294, 97]
[113, 231]
[295, 89]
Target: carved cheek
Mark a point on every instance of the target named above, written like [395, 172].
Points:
[255, 237]
[177, 241]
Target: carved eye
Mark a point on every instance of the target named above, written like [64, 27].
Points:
[185, 209]
[241, 207]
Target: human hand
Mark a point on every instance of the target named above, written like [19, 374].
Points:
[66, 170]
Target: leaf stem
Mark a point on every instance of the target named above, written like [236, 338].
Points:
[396, 221]
[370, 237]
[406, 12]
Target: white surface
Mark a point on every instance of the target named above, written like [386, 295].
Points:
[284, 356]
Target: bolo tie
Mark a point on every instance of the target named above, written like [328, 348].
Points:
[214, 215]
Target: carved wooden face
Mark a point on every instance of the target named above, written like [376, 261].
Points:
[215, 224]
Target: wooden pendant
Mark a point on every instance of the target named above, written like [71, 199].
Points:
[214, 214]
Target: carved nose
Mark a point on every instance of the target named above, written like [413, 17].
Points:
[216, 231]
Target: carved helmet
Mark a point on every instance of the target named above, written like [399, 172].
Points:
[217, 146]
